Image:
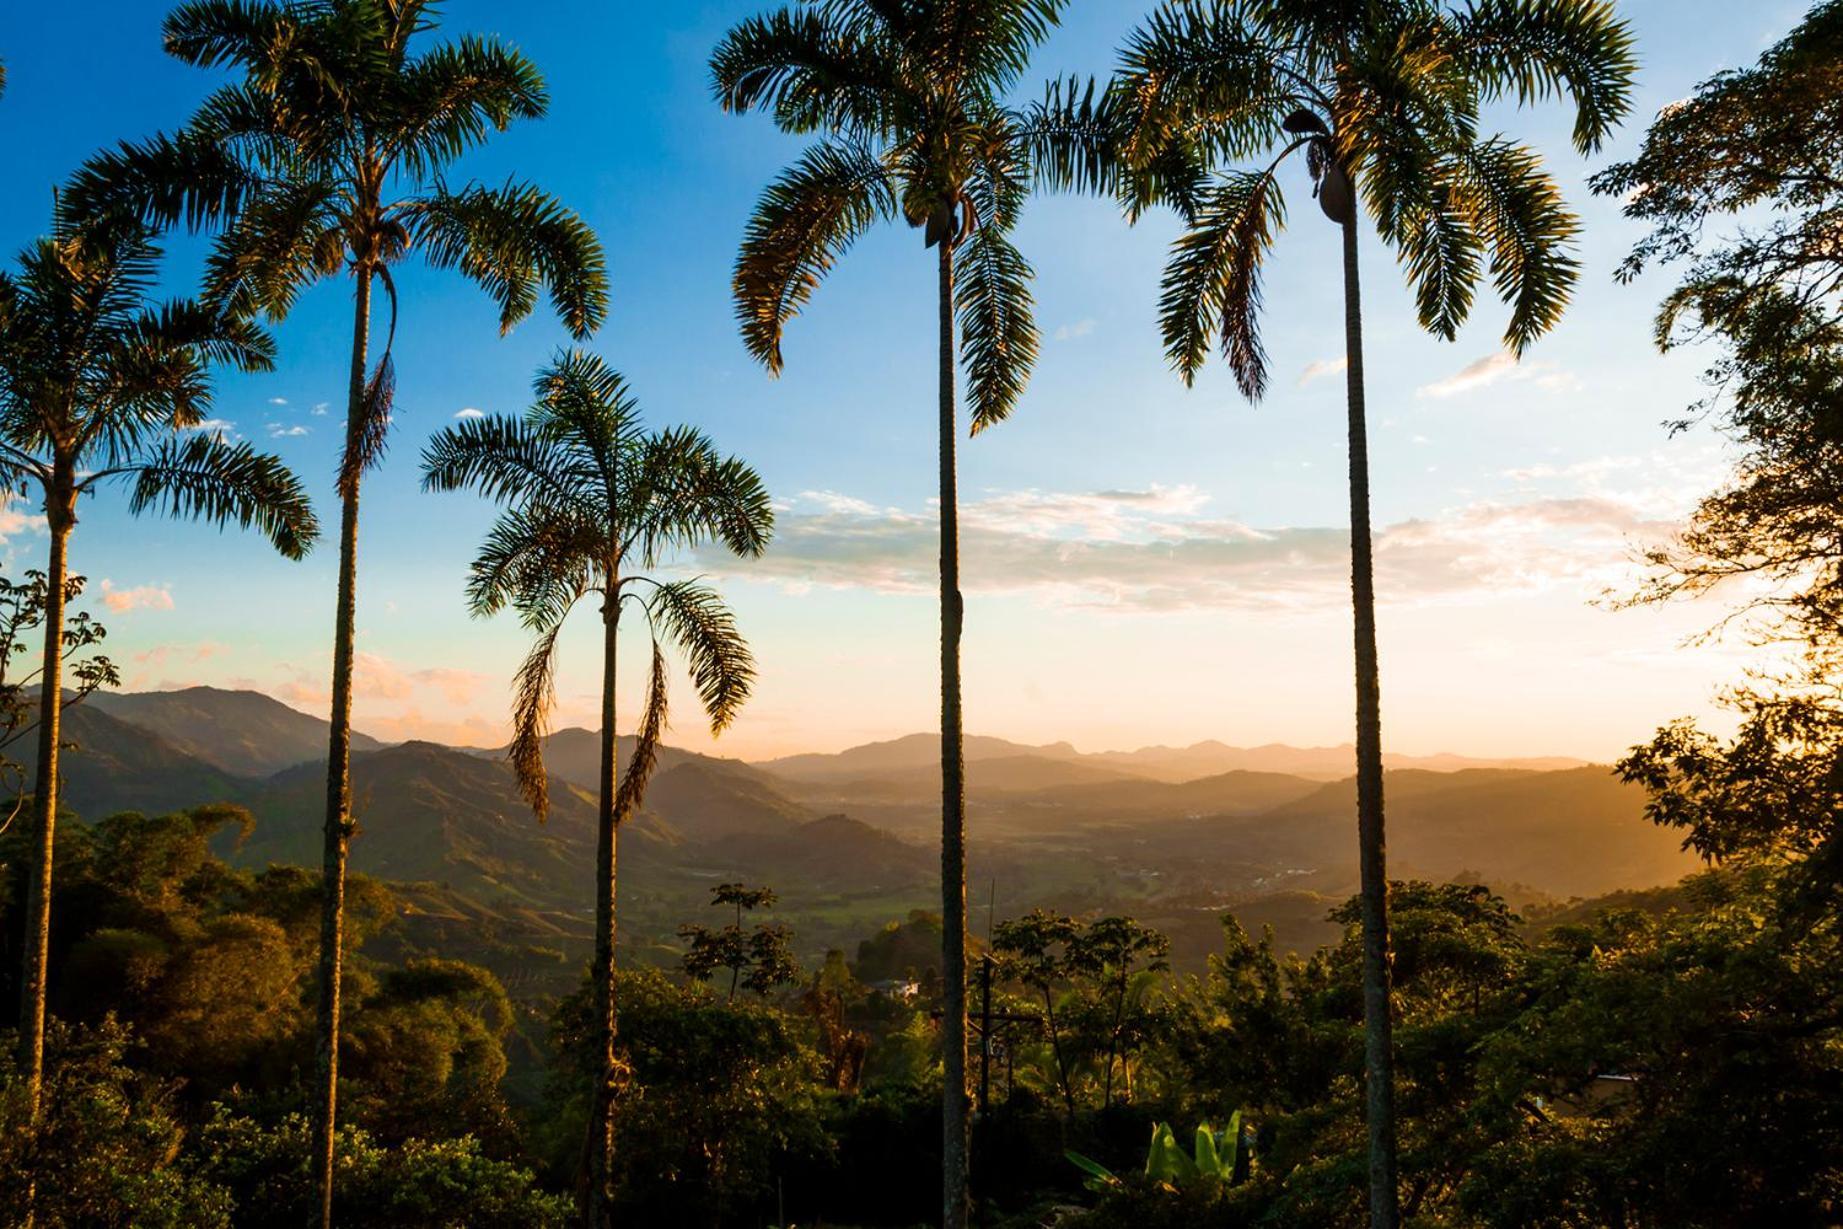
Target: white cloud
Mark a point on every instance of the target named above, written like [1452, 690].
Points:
[1494, 368]
[223, 428]
[278, 401]
[141, 597]
[1081, 328]
[469, 412]
[319, 410]
[1154, 550]
[1320, 368]
[277, 431]
[15, 519]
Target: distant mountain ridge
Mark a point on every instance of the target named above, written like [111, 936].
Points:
[1173, 765]
[244, 733]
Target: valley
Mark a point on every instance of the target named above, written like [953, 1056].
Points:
[846, 839]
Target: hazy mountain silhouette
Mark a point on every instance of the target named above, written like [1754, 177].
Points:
[895, 759]
[112, 765]
[1051, 826]
[244, 733]
[427, 812]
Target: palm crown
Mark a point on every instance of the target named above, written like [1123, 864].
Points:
[1383, 98]
[98, 384]
[593, 499]
[910, 99]
[330, 154]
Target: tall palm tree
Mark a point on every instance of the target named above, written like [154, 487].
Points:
[908, 105]
[328, 157]
[1382, 99]
[100, 385]
[593, 501]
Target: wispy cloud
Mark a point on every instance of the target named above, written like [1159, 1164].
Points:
[278, 431]
[319, 410]
[278, 401]
[14, 517]
[1495, 368]
[223, 428]
[1156, 550]
[141, 597]
[1319, 368]
[1081, 328]
[469, 411]
[163, 655]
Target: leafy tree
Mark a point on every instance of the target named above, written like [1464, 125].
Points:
[1035, 952]
[1758, 147]
[443, 1184]
[758, 959]
[101, 1150]
[428, 1047]
[593, 502]
[1383, 102]
[717, 1096]
[844, 1049]
[329, 156]
[908, 104]
[22, 613]
[910, 948]
[1120, 958]
[98, 385]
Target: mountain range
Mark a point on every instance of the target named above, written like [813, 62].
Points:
[1171, 764]
[848, 839]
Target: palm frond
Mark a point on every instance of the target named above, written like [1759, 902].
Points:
[811, 68]
[212, 33]
[1208, 74]
[997, 329]
[505, 459]
[684, 492]
[512, 241]
[805, 221]
[1212, 283]
[285, 238]
[452, 97]
[164, 180]
[646, 740]
[696, 619]
[988, 43]
[534, 695]
[1531, 234]
[539, 563]
[204, 477]
[1577, 49]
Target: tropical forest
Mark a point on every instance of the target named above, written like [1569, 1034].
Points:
[983, 614]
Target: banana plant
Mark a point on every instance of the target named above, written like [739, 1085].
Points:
[1215, 1156]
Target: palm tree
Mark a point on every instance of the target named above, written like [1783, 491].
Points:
[908, 102]
[327, 157]
[1382, 99]
[100, 385]
[592, 503]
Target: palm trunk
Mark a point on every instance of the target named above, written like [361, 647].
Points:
[954, 1124]
[598, 1207]
[60, 512]
[338, 831]
[1378, 1055]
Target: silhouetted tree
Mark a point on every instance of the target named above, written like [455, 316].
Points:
[99, 384]
[327, 157]
[1383, 101]
[592, 502]
[909, 100]
[1761, 147]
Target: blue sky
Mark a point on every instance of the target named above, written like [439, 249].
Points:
[1145, 563]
